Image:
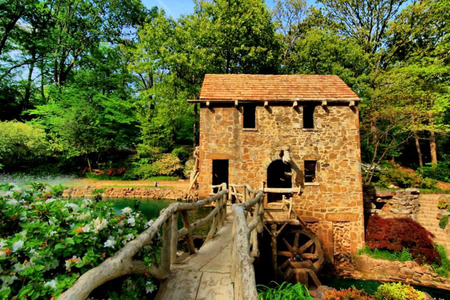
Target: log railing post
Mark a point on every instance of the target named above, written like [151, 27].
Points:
[174, 238]
[165, 252]
[219, 213]
[187, 225]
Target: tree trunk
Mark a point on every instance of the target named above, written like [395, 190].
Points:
[433, 150]
[419, 152]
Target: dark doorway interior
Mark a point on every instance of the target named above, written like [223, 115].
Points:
[219, 172]
[278, 176]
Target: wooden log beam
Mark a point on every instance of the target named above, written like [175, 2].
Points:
[189, 239]
[174, 238]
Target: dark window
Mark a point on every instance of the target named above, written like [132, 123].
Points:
[310, 170]
[219, 172]
[308, 116]
[249, 116]
[278, 176]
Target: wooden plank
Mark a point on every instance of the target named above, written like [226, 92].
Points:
[215, 286]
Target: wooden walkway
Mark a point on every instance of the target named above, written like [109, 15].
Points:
[205, 274]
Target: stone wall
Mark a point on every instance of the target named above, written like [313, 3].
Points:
[147, 193]
[392, 203]
[368, 268]
[336, 195]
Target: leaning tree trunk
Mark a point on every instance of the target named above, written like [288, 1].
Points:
[419, 151]
[433, 150]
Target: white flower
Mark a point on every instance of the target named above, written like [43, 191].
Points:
[2, 253]
[83, 216]
[19, 267]
[51, 283]
[86, 202]
[12, 202]
[52, 233]
[50, 200]
[53, 264]
[110, 242]
[149, 224]
[131, 221]
[17, 245]
[73, 206]
[86, 228]
[127, 210]
[8, 280]
[2, 243]
[128, 237]
[119, 231]
[99, 224]
[23, 233]
[149, 287]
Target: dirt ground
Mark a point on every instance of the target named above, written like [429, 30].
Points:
[181, 184]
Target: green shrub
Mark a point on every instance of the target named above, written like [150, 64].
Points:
[402, 256]
[46, 243]
[284, 291]
[439, 171]
[404, 179]
[443, 222]
[442, 269]
[398, 291]
[181, 153]
[21, 143]
[167, 165]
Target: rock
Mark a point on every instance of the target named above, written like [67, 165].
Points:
[321, 292]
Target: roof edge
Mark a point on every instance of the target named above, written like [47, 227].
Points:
[215, 100]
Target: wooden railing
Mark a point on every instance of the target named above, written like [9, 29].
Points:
[122, 263]
[248, 222]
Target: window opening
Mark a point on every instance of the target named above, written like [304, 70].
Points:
[249, 116]
[308, 116]
[278, 176]
[219, 172]
[310, 170]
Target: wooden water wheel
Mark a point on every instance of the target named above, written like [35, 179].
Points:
[299, 256]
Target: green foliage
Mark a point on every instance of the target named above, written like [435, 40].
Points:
[182, 153]
[444, 221]
[398, 291]
[57, 190]
[167, 165]
[404, 179]
[21, 143]
[439, 171]
[402, 256]
[49, 242]
[444, 268]
[284, 291]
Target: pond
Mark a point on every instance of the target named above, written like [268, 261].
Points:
[150, 208]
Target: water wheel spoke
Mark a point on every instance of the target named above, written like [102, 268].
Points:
[288, 245]
[285, 253]
[305, 246]
[296, 240]
[284, 265]
[289, 274]
[310, 256]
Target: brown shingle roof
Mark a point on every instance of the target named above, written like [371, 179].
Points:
[231, 87]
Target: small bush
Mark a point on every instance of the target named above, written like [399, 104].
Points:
[347, 294]
[439, 171]
[443, 222]
[443, 203]
[285, 291]
[395, 234]
[167, 165]
[398, 291]
[402, 256]
[181, 153]
[21, 143]
[442, 269]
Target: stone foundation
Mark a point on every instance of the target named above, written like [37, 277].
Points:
[367, 268]
[391, 203]
[145, 193]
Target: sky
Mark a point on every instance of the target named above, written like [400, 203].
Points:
[175, 8]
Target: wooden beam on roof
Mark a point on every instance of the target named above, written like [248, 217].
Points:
[266, 103]
[207, 103]
[351, 103]
[324, 103]
[295, 104]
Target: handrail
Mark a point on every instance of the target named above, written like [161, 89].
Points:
[245, 245]
[122, 263]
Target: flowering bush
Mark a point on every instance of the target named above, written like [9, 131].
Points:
[398, 291]
[394, 234]
[46, 243]
[347, 294]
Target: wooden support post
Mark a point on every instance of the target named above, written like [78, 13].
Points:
[165, 252]
[212, 231]
[224, 208]
[174, 238]
[187, 225]
[220, 213]
[274, 250]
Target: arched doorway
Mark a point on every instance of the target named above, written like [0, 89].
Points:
[279, 175]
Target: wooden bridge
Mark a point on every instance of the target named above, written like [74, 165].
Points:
[221, 269]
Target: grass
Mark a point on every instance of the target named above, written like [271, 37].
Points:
[434, 191]
[402, 256]
[444, 268]
[284, 291]
[106, 177]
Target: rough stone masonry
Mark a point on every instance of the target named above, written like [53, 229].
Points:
[334, 198]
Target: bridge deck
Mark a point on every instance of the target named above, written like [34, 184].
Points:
[204, 275]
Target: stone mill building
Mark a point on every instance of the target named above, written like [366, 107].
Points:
[296, 136]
